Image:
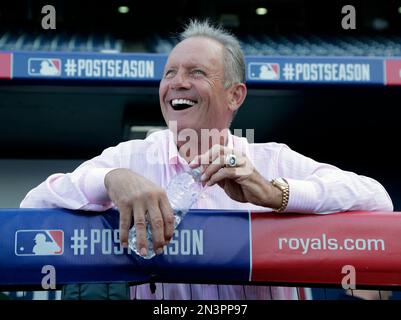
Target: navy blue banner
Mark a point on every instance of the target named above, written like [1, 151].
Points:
[318, 70]
[149, 68]
[84, 247]
[91, 66]
[210, 246]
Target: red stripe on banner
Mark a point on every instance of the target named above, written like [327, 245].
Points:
[393, 72]
[5, 65]
[316, 249]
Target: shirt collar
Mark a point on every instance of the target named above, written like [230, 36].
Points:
[174, 157]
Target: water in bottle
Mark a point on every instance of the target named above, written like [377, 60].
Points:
[182, 192]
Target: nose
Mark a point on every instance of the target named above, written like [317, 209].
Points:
[180, 81]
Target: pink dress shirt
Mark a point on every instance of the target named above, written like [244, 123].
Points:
[314, 188]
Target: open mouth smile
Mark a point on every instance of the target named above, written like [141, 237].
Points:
[182, 104]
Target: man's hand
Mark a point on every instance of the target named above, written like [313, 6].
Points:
[242, 183]
[136, 196]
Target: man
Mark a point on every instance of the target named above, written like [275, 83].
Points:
[202, 88]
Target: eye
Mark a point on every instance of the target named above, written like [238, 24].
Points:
[198, 72]
[169, 73]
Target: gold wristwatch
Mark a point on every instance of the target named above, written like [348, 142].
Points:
[283, 185]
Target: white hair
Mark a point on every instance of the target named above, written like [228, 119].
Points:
[233, 59]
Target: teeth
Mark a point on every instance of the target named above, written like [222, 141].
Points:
[174, 102]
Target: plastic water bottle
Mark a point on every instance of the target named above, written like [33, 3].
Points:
[182, 192]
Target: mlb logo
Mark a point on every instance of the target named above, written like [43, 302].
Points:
[263, 71]
[39, 242]
[44, 67]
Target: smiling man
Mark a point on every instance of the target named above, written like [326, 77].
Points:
[194, 91]
[201, 90]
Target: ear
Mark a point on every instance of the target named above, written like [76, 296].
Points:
[237, 94]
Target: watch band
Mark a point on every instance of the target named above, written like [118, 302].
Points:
[285, 188]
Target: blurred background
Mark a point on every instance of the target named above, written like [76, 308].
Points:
[53, 126]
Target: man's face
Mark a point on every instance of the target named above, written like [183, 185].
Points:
[192, 89]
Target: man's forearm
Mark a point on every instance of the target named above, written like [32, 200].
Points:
[339, 191]
[322, 188]
[78, 191]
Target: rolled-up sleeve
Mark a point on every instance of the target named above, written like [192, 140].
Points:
[82, 189]
[322, 188]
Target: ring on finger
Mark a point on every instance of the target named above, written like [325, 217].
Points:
[231, 160]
